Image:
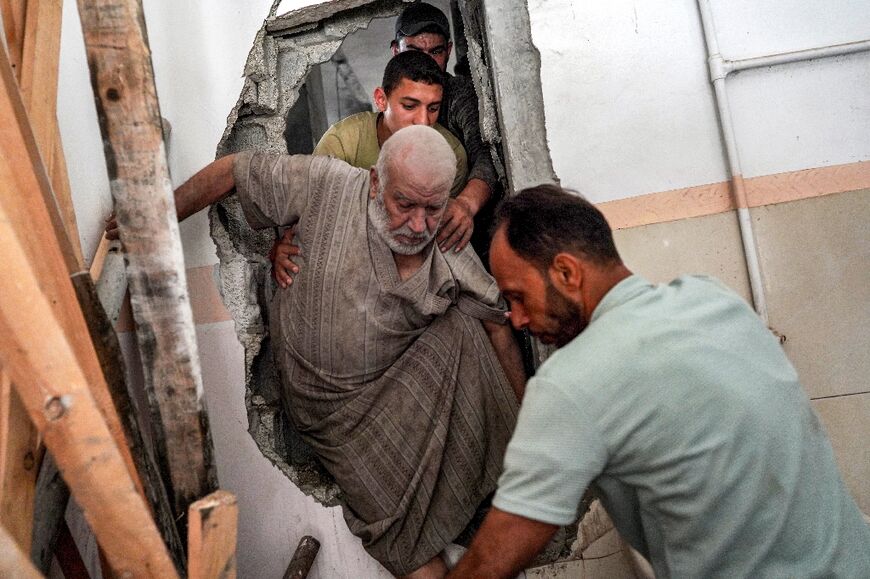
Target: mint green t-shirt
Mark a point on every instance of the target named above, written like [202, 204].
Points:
[684, 411]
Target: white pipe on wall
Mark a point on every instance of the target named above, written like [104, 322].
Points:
[719, 70]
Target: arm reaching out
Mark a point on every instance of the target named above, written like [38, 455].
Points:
[504, 546]
[508, 354]
[211, 184]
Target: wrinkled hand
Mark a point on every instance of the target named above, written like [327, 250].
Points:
[112, 227]
[457, 225]
[280, 255]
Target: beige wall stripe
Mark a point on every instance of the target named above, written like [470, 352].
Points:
[714, 198]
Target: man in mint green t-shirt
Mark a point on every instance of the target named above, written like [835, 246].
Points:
[673, 400]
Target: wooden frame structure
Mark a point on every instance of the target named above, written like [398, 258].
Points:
[61, 381]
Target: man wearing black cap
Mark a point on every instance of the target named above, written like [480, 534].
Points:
[425, 28]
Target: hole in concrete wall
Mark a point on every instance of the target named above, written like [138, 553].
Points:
[306, 70]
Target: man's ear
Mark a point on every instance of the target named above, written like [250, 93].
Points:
[566, 273]
[373, 177]
[449, 51]
[381, 99]
[394, 47]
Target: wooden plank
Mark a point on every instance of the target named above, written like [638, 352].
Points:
[37, 352]
[38, 275]
[126, 98]
[28, 183]
[14, 564]
[211, 539]
[14, 13]
[19, 460]
[37, 78]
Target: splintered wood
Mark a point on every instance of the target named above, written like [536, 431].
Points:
[48, 354]
[211, 542]
[123, 83]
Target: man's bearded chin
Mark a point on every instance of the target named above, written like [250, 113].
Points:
[381, 221]
[568, 317]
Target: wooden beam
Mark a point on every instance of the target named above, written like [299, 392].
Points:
[14, 564]
[41, 291]
[211, 539]
[28, 184]
[36, 350]
[14, 14]
[126, 98]
[19, 460]
[38, 81]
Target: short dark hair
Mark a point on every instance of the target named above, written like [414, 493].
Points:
[414, 66]
[543, 221]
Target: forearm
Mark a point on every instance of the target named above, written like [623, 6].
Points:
[504, 546]
[211, 184]
[508, 353]
[475, 194]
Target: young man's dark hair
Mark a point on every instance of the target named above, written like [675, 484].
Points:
[414, 66]
[543, 221]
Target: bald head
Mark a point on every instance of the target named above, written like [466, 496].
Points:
[422, 155]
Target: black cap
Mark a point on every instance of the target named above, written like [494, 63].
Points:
[419, 16]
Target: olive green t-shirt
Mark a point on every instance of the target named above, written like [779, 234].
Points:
[354, 140]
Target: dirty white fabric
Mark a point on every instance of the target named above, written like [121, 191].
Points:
[393, 383]
[683, 409]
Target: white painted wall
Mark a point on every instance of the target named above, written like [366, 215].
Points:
[630, 110]
[82, 143]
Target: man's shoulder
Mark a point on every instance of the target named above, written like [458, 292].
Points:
[451, 139]
[353, 139]
[459, 86]
[353, 126]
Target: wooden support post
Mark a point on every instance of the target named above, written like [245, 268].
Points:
[36, 350]
[47, 351]
[123, 82]
[14, 564]
[14, 14]
[38, 81]
[27, 185]
[211, 538]
[18, 465]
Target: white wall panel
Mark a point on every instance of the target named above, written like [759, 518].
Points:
[748, 28]
[800, 115]
[629, 107]
[199, 51]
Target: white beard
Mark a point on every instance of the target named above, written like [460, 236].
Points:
[380, 220]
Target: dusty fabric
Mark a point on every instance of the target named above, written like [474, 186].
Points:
[393, 383]
[354, 140]
[459, 113]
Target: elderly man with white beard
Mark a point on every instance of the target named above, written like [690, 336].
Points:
[396, 362]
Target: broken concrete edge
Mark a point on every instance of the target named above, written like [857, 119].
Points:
[314, 14]
[275, 68]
